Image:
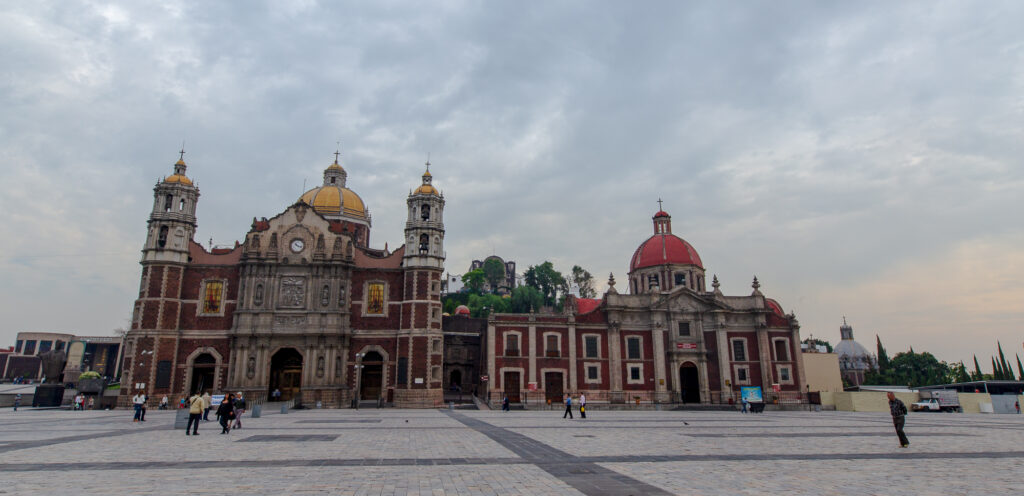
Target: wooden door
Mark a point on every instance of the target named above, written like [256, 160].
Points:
[511, 385]
[553, 387]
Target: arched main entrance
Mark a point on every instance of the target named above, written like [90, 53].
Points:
[285, 373]
[372, 376]
[203, 370]
[689, 382]
[455, 379]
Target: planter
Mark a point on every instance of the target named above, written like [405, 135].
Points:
[94, 386]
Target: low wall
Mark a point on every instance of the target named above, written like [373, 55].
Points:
[969, 401]
[870, 401]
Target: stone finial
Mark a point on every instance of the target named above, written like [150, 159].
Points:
[756, 285]
[611, 284]
[716, 285]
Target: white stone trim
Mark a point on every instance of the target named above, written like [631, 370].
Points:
[732, 349]
[778, 373]
[522, 378]
[202, 297]
[629, 373]
[626, 339]
[789, 349]
[598, 338]
[736, 374]
[586, 373]
[558, 343]
[519, 342]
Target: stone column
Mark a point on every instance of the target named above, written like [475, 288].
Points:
[614, 357]
[798, 361]
[658, 336]
[724, 360]
[765, 357]
[532, 333]
[572, 355]
[491, 367]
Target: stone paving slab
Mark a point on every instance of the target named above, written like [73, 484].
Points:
[392, 451]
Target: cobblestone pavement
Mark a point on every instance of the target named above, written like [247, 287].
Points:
[406, 452]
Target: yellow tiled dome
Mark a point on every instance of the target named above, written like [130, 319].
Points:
[178, 178]
[335, 200]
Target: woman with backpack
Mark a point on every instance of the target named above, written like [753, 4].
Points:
[225, 413]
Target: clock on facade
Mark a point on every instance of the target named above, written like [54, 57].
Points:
[297, 245]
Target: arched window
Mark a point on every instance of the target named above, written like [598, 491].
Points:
[161, 241]
[167, 203]
[424, 242]
[181, 205]
[652, 281]
[425, 212]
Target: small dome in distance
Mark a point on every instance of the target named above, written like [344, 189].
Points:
[462, 310]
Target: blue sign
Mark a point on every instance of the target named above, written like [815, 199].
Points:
[751, 394]
[216, 400]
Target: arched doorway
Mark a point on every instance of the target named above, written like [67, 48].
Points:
[455, 380]
[204, 368]
[285, 373]
[372, 376]
[689, 382]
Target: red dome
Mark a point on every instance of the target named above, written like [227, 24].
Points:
[462, 310]
[664, 249]
[661, 213]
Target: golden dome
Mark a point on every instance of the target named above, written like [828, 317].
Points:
[335, 200]
[426, 189]
[177, 177]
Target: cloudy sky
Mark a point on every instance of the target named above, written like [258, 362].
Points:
[862, 159]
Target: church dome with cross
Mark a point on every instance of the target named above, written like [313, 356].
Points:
[665, 261]
[335, 201]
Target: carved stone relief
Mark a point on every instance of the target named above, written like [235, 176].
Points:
[293, 292]
[320, 367]
[290, 319]
[325, 296]
[337, 366]
[257, 298]
[250, 369]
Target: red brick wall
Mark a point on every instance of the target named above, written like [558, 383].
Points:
[156, 279]
[714, 378]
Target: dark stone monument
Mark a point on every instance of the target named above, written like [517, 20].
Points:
[51, 393]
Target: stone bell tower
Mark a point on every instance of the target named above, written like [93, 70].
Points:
[172, 222]
[420, 342]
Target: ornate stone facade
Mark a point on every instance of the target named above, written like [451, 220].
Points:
[302, 306]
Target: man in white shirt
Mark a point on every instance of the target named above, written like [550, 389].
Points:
[583, 406]
[138, 400]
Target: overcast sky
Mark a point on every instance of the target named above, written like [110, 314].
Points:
[862, 159]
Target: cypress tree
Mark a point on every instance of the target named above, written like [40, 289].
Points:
[977, 375]
[1020, 368]
[883, 357]
[995, 369]
[1007, 371]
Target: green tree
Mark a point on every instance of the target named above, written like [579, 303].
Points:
[474, 280]
[526, 298]
[914, 370]
[481, 306]
[547, 280]
[1007, 371]
[883, 357]
[1020, 369]
[977, 375]
[494, 273]
[583, 280]
[959, 373]
[995, 370]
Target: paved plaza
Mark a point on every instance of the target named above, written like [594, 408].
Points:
[397, 452]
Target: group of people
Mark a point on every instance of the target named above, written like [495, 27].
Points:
[229, 412]
[79, 403]
[582, 404]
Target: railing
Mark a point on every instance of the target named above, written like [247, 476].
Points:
[512, 352]
[552, 354]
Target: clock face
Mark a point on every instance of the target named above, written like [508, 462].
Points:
[297, 245]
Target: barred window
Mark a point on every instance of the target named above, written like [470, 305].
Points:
[633, 348]
[684, 328]
[592, 373]
[213, 296]
[739, 351]
[591, 346]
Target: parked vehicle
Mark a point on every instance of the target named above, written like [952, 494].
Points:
[943, 400]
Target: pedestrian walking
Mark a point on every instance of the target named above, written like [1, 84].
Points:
[1016, 404]
[277, 395]
[226, 412]
[568, 407]
[137, 402]
[504, 404]
[92, 401]
[899, 414]
[583, 406]
[239, 410]
[77, 402]
[163, 402]
[195, 413]
[17, 401]
[745, 402]
[145, 399]
[206, 409]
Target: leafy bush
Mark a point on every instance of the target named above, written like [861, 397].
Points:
[89, 375]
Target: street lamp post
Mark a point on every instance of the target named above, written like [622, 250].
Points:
[357, 367]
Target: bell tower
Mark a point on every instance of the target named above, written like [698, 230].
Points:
[172, 223]
[420, 340]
